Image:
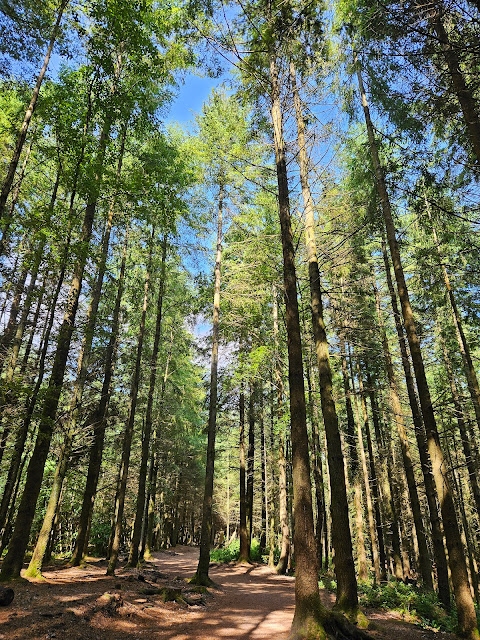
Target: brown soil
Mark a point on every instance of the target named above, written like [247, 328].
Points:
[250, 603]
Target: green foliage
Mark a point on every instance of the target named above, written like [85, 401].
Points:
[99, 533]
[424, 607]
[232, 552]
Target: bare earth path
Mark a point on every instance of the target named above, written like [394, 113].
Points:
[251, 603]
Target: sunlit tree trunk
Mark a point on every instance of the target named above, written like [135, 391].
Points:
[14, 559]
[430, 490]
[347, 598]
[467, 621]
[397, 412]
[463, 93]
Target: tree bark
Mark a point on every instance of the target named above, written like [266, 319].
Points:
[154, 462]
[464, 94]
[116, 531]
[22, 433]
[467, 621]
[464, 347]
[137, 527]
[430, 489]
[250, 461]
[355, 478]
[397, 413]
[201, 575]
[14, 559]
[99, 422]
[347, 598]
[7, 185]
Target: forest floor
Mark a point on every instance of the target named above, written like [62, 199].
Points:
[251, 602]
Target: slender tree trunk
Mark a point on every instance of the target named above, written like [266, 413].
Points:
[6, 395]
[154, 462]
[430, 489]
[470, 373]
[468, 537]
[4, 240]
[99, 422]
[424, 557]
[467, 621]
[14, 559]
[355, 479]
[317, 468]
[272, 493]
[9, 333]
[374, 485]
[201, 575]
[461, 90]
[128, 434]
[467, 449]
[250, 461]
[391, 518]
[7, 185]
[282, 498]
[263, 465]
[347, 598]
[137, 527]
[22, 433]
[244, 546]
[34, 324]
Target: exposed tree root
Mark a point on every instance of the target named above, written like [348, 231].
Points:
[330, 625]
[202, 580]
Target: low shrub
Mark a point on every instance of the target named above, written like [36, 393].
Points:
[421, 606]
[232, 552]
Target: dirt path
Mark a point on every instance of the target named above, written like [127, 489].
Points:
[251, 603]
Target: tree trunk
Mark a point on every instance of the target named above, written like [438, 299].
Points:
[263, 465]
[467, 449]
[366, 480]
[201, 575]
[430, 490]
[391, 518]
[374, 485]
[4, 240]
[355, 478]
[347, 599]
[250, 461]
[310, 615]
[470, 373]
[137, 527]
[424, 558]
[283, 561]
[22, 433]
[467, 621]
[154, 462]
[14, 559]
[7, 185]
[99, 422]
[317, 468]
[459, 85]
[116, 531]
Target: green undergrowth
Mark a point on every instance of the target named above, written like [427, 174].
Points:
[415, 605]
[420, 607]
[231, 553]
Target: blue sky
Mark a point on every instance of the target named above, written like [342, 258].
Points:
[193, 93]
